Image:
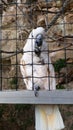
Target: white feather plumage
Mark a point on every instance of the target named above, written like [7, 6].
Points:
[48, 117]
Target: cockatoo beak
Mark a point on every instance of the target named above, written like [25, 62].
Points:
[39, 40]
[38, 44]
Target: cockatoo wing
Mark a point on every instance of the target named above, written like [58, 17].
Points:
[26, 73]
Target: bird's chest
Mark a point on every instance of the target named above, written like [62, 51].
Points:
[36, 66]
[39, 67]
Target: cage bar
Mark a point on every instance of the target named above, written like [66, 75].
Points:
[0, 46]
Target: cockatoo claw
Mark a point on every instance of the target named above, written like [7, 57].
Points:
[36, 88]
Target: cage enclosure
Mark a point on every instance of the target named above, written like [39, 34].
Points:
[17, 19]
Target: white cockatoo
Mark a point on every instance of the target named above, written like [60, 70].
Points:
[38, 73]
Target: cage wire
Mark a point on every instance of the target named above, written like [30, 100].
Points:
[17, 19]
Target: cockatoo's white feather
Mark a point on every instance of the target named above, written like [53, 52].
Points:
[37, 70]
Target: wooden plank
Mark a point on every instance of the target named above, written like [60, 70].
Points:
[44, 97]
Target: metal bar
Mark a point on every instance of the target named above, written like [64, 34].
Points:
[16, 50]
[44, 97]
[0, 46]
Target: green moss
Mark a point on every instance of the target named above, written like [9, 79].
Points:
[59, 64]
[60, 86]
[13, 81]
[69, 113]
[71, 128]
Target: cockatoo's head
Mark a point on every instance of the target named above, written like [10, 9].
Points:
[37, 36]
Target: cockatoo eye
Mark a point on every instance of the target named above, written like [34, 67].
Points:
[39, 40]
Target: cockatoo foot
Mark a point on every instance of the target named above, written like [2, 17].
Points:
[36, 89]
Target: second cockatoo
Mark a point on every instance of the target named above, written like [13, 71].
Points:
[38, 73]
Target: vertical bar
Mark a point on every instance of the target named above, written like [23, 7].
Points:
[16, 49]
[65, 55]
[49, 76]
[31, 24]
[0, 46]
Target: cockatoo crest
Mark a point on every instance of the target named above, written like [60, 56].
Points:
[35, 32]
